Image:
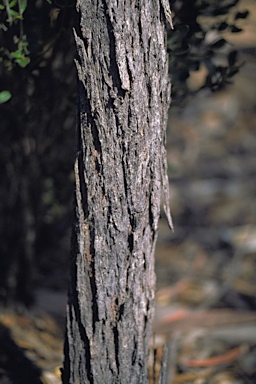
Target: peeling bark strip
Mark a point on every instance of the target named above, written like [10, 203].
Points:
[120, 173]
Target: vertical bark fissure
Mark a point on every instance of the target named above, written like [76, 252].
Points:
[116, 343]
[95, 312]
[86, 344]
[112, 53]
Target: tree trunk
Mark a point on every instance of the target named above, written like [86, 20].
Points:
[120, 173]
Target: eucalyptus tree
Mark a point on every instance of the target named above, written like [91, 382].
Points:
[120, 176]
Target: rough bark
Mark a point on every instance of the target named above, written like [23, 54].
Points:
[120, 173]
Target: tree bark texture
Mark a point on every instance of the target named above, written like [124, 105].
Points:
[120, 174]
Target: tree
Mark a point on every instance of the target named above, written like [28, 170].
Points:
[120, 173]
[120, 167]
[36, 54]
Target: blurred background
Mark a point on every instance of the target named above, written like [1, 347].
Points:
[206, 288]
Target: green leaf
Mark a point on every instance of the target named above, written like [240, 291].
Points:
[2, 7]
[23, 44]
[17, 54]
[12, 3]
[23, 62]
[5, 96]
[14, 14]
[23, 6]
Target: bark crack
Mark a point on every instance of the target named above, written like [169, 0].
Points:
[114, 69]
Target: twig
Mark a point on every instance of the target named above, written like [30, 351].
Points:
[217, 360]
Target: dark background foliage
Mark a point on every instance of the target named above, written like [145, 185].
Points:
[37, 150]
[38, 125]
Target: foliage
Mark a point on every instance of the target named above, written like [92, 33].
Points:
[37, 123]
[36, 150]
[20, 47]
[198, 40]
[11, 15]
[5, 96]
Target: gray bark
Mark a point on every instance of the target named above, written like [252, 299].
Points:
[120, 174]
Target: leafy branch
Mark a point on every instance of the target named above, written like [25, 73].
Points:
[11, 13]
